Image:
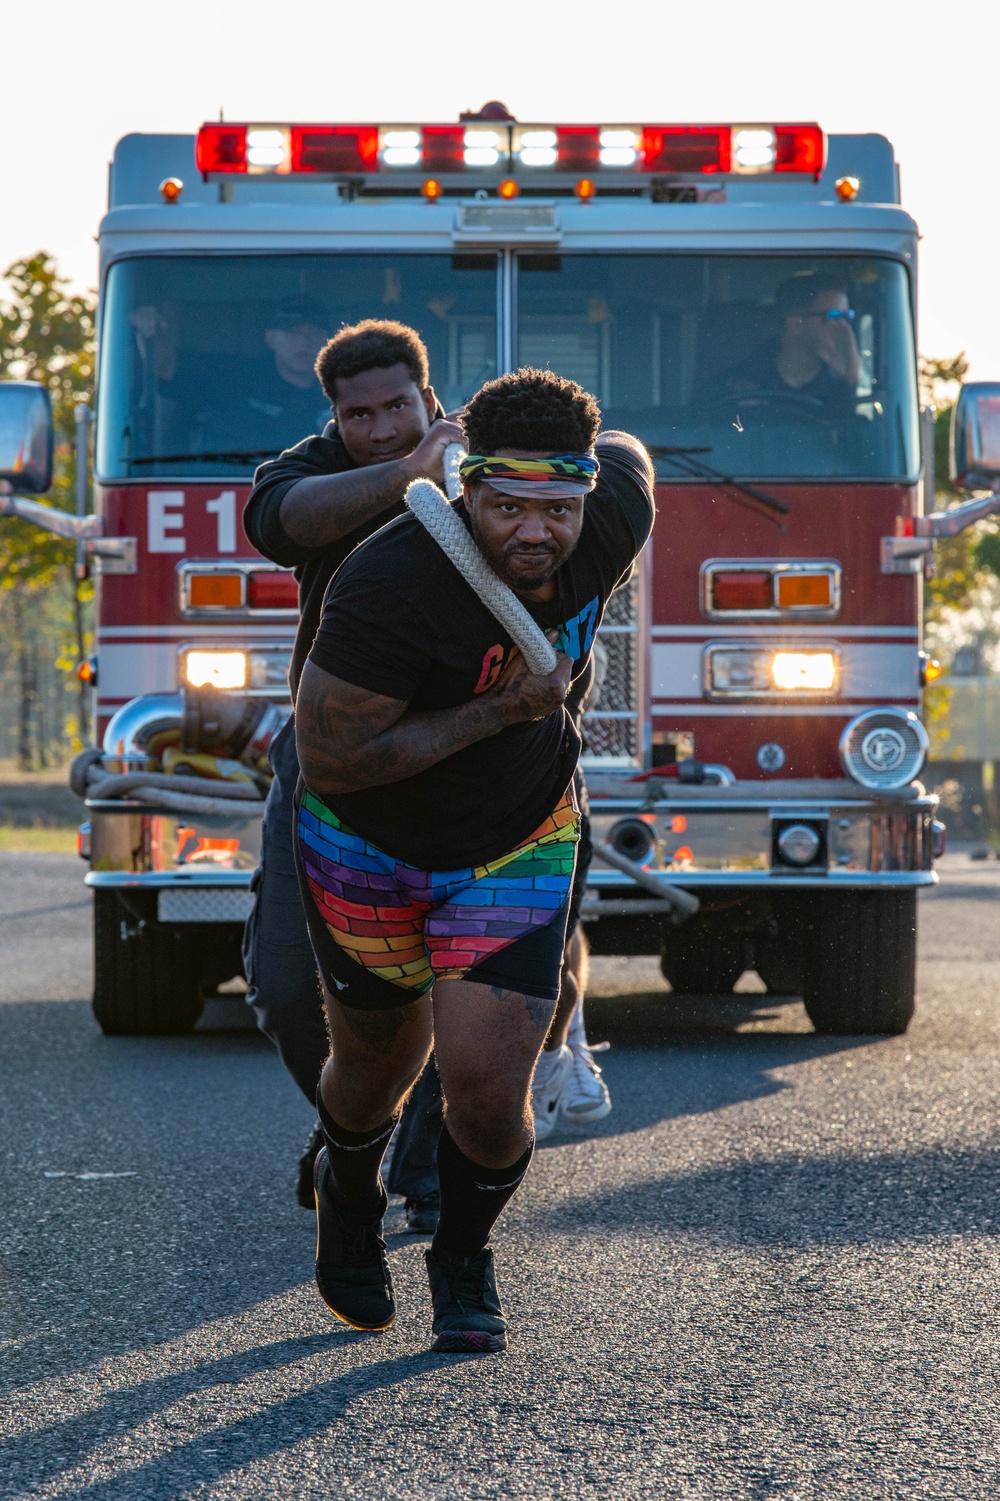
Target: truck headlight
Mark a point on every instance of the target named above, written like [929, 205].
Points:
[884, 748]
[764, 672]
[268, 668]
[214, 669]
[808, 671]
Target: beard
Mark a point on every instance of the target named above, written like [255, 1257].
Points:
[520, 567]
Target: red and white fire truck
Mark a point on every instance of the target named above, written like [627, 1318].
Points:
[739, 296]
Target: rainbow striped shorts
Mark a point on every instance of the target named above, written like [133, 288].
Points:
[384, 931]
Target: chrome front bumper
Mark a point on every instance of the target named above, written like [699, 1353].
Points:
[201, 865]
[726, 836]
[719, 836]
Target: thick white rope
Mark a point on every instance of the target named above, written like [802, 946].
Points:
[438, 518]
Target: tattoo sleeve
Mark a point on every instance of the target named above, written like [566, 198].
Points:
[348, 739]
[322, 508]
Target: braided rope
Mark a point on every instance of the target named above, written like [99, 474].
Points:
[442, 523]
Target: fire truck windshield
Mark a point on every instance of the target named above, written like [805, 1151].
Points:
[768, 366]
[207, 362]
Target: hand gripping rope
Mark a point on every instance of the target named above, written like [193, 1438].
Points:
[443, 523]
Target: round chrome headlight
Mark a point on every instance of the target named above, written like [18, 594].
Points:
[884, 748]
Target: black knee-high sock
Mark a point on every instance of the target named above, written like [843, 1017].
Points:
[355, 1159]
[472, 1197]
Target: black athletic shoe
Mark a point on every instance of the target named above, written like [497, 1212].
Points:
[422, 1214]
[468, 1317]
[305, 1192]
[352, 1273]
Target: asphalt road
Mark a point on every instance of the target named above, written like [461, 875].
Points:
[772, 1272]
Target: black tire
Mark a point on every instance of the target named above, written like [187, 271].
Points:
[779, 963]
[145, 976]
[860, 961]
[702, 958]
[779, 949]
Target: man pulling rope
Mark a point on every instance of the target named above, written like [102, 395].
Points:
[436, 832]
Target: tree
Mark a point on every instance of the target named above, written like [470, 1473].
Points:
[47, 334]
[963, 563]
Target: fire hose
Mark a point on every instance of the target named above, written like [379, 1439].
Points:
[440, 520]
[180, 794]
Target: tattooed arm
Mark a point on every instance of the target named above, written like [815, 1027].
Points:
[322, 508]
[349, 738]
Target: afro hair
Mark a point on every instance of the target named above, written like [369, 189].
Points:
[372, 344]
[533, 410]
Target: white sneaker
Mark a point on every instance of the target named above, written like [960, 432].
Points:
[552, 1073]
[585, 1096]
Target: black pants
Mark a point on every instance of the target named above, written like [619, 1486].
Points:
[284, 990]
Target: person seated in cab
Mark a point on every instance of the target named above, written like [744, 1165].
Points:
[812, 359]
[284, 399]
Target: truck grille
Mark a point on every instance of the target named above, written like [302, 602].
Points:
[613, 723]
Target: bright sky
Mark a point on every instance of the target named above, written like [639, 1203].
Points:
[920, 77]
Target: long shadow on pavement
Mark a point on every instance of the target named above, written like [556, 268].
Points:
[678, 1056]
[793, 1202]
[212, 1455]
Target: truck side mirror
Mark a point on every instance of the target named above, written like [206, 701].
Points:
[974, 457]
[25, 436]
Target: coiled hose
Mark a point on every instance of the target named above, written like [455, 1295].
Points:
[181, 794]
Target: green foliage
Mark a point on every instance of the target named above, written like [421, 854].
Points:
[962, 563]
[939, 378]
[47, 334]
[986, 552]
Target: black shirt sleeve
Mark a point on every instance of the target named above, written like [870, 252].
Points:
[626, 481]
[370, 634]
[272, 482]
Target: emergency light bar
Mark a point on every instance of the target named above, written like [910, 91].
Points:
[532, 151]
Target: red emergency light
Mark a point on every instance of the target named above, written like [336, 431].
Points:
[496, 148]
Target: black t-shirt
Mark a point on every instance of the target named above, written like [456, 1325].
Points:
[399, 620]
[825, 396]
[314, 566]
[277, 410]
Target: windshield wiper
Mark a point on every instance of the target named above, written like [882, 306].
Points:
[233, 456]
[686, 460]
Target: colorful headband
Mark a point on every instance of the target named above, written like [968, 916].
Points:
[566, 474]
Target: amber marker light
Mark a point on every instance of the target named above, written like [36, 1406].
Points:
[847, 188]
[431, 189]
[215, 591]
[586, 189]
[803, 591]
[171, 189]
[931, 670]
[508, 188]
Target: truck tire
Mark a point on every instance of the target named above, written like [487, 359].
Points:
[145, 977]
[779, 963]
[702, 958]
[860, 961]
[779, 951]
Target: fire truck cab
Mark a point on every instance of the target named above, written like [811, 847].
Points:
[742, 299]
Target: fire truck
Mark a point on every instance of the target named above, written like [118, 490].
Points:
[742, 298]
